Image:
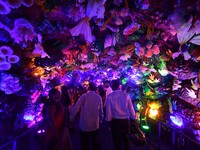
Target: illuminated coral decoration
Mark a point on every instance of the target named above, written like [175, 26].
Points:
[5, 66]
[4, 8]
[14, 3]
[23, 31]
[6, 51]
[13, 59]
[2, 59]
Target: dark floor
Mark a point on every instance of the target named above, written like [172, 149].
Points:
[106, 139]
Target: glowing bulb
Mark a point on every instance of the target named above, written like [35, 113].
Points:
[145, 127]
[36, 74]
[177, 120]
[153, 112]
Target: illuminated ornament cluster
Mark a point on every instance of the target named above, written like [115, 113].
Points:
[7, 58]
[153, 110]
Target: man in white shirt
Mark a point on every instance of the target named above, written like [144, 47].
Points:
[91, 112]
[119, 110]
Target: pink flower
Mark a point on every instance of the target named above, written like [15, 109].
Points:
[5, 50]
[156, 49]
[14, 3]
[130, 29]
[4, 9]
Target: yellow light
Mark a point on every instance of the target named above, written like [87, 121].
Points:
[36, 74]
[199, 123]
[153, 112]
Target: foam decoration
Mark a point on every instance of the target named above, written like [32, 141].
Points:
[14, 3]
[95, 8]
[4, 8]
[6, 51]
[130, 29]
[23, 31]
[27, 3]
[83, 28]
[13, 59]
[5, 66]
[2, 59]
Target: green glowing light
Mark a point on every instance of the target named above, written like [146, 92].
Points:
[124, 81]
[145, 127]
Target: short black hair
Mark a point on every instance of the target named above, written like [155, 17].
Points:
[92, 86]
[115, 84]
[106, 81]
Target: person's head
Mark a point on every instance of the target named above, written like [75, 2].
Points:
[106, 83]
[115, 84]
[100, 91]
[92, 86]
[64, 89]
[54, 95]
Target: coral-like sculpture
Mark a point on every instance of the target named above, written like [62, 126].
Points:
[23, 31]
[9, 84]
[4, 9]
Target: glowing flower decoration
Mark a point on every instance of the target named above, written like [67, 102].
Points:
[95, 8]
[125, 57]
[23, 31]
[149, 53]
[109, 41]
[5, 66]
[4, 9]
[176, 120]
[13, 59]
[163, 72]
[6, 51]
[191, 93]
[14, 3]
[27, 3]
[176, 85]
[156, 49]
[2, 59]
[39, 50]
[76, 13]
[29, 117]
[83, 28]
[130, 29]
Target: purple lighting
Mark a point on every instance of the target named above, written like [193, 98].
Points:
[177, 120]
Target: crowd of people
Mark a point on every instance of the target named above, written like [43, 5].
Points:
[95, 104]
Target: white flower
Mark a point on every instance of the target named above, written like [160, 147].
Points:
[5, 50]
[191, 93]
[13, 59]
